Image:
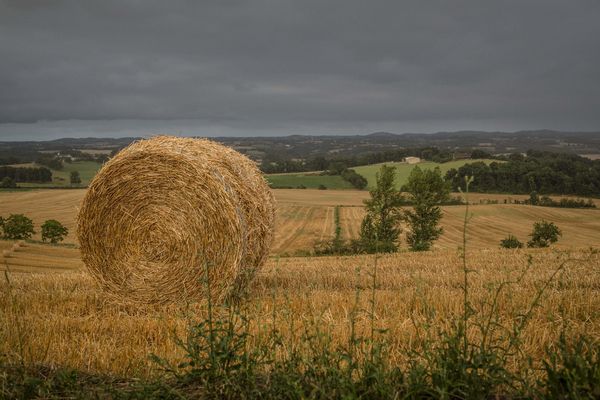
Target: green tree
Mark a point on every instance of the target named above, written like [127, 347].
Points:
[8, 182]
[427, 189]
[511, 242]
[54, 231]
[75, 178]
[544, 234]
[380, 227]
[17, 227]
[534, 198]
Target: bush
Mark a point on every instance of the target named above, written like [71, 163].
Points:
[54, 231]
[511, 242]
[355, 179]
[75, 178]
[544, 234]
[8, 182]
[17, 227]
[322, 187]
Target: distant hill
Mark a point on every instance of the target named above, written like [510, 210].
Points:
[310, 146]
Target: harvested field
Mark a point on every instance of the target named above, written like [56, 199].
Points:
[306, 216]
[70, 323]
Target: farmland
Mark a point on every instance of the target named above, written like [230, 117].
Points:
[403, 170]
[71, 323]
[308, 180]
[86, 169]
[306, 216]
[314, 179]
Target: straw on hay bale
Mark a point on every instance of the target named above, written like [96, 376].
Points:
[166, 210]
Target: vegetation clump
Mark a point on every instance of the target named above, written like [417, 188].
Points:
[75, 179]
[427, 190]
[53, 231]
[8, 183]
[16, 227]
[511, 242]
[26, 174]
[539, 171]
[544, 234]
[380, 227]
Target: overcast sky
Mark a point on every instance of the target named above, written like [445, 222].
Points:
[278, 67]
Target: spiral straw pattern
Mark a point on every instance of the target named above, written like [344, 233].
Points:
[165, 211]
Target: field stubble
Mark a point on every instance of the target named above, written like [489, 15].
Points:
[305, 217]
[65, 320]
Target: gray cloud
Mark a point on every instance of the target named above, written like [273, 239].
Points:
[311, 66]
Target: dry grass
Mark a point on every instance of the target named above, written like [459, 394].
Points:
[162, 207]
[64, 319]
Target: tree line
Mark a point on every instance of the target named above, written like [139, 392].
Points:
[542, 172]
[26, 174]
[275, 163]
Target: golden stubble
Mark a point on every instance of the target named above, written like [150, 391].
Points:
[64, 319]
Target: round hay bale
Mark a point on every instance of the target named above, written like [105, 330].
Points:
[6, 253]
[168, 217]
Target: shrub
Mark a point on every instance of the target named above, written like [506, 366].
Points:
[8, 182]
[511, 242]
[54, 231]
[544, 234]
[17, 227]
[357, 180]
[75, 178]
[322, 187]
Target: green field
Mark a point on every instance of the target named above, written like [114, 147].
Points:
[87, 170]
[309, 180]
[312, 180]
[403, 169]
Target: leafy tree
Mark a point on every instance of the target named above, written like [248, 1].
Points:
[8, 182]
[534, 198]
[357, 180]
[17, 227]
[477, 153]
[380, 228]
[26, 174]
[511, 242]
[75, 178]
[543, 172]
[54, 231]
[427, 189]
[543, 234]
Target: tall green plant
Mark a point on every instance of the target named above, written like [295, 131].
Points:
[427, 190]
[380, 228]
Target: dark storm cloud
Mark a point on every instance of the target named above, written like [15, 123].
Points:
[276, 65]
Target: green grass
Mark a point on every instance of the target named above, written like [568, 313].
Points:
[87, 170]
[310, 181]
[403, 170]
